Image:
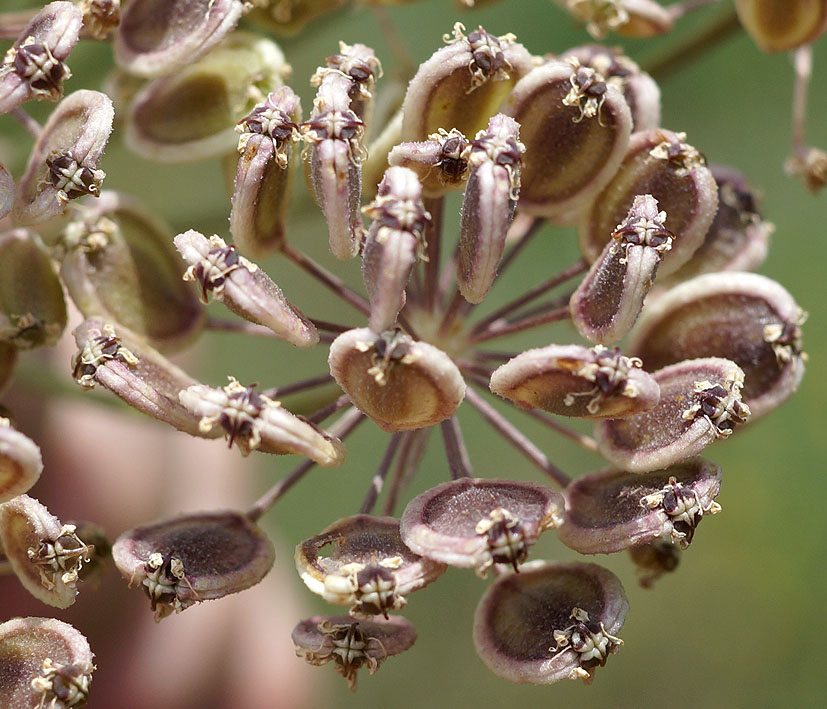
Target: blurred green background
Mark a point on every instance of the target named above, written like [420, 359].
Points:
[740, 623]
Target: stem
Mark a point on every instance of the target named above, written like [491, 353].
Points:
[575, 269]
[495, 330]
[522, 229]
[683, 8]
[30, 124]
[515, 437]
[394, 39]
[803, 60]
[341, 428]
[331, 327]
[413, 448]
[433, 238]
[684, 52]
[327, 411]
[12, 24]
[334, 283]
[298, 386]
[581, 439]
[379, 477]
[455, 449]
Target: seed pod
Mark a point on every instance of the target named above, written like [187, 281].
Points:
[573, 380]
[264, 176]
[478, 523]
[256, 422]
[359, 64]
[351, 644]
[64, 160]
[193, 558]
[394, 242]
[242, 286]
[609, 299]
[612, 510]
[46, 663]
[161, 36]
[367, 566]
[398, 382]
[20, 462]
[334, 143]
[488, 205]
[44, 554]
[778, 25]
[191, 115]
[738, 238]
[6, 191]
[288, 17]
[640, 90]
[34, 66]
[745, 317]
[462, 84]
[133, 371]
[440, 163]
[550, 622]
[700, 401]
[661, 164]
[119, 265]
[32, 308]
[575, 128]
[630, 18]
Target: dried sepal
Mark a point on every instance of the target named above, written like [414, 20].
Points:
[630, 18]
[700, 402]
[462, 84]
[477, 523]
[20, 461]
[745, 317]
[334, 146]
[45, 555]
[609, 299]
[46, 663]
[100, 17]
[221, 273]
[368, 568]
[351, 644]
[810, 165]
[573, 380]
[779, 25]
[63, 164]
[34, 67]
[576, 129]
[440, 162]
[160, 36]
[132, 370]
[191, 114]
[360, 64]
[612, 510]
[264, 176]
[32, 308]
[550, 622]
[394, 241]
[738, 238]
[253, 421]
[640, 90]
[659, 163]
[400, 383]
[119, 265]
[488, 205]
[193, 558]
